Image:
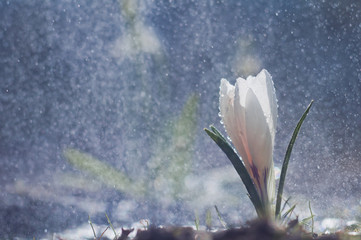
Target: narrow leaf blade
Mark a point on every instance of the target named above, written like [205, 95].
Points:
[288, 212]
[240, 168]
[224, 224]
[287, 158]
[104, 172]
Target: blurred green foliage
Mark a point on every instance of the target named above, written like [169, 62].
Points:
[168, 167]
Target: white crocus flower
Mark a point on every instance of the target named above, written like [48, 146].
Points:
[249, 114]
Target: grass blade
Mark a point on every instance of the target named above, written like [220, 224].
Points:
[288, 212]
[240, 168]
[91, 224]
[224, 224]
[196, 221]
[209, 219]
[111, 225]
[304, 221]
[287, 158]
[285, 204]
[313, 222]
[103, 232]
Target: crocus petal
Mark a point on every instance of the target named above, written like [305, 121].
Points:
[259, 142]
[262, 86]
[240, 121]
[226, 100]
[226, 107]
[258, 134]
[271, 186]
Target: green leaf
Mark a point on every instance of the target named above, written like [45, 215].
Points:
[224, 224]
[313, 222]
[305, 220]
[240, 168]
[171, 162]
[285, 203]
[111, 225]
[181, 148]
[287, 158]
[288, 212]
[218, 133]
[104, 172]
[196, 221]
[209, 219]
[91, 225]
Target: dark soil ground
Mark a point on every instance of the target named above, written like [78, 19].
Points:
[255, 230]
